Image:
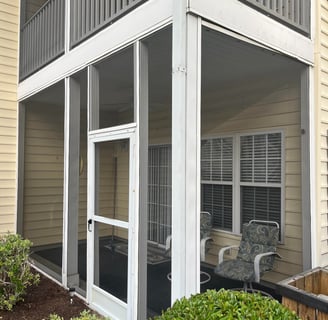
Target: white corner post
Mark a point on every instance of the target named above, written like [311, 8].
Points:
[186, 64]
[20, 168]
[141, 118]
[71, 183]
[308, 169]
[311, 249]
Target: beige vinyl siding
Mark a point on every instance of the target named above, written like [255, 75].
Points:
[262, 107]
[9, 10]
[43, 176]
[321, 76]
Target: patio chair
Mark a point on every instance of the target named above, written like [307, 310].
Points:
[256, 254]
[206, 223]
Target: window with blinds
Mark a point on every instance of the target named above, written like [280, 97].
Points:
[159, 193]
[217, 176]
[260, 158]
[260, 177]
[258, 183]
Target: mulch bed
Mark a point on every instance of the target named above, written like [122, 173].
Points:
[43, 300]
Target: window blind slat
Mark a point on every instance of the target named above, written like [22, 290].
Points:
[217, 200]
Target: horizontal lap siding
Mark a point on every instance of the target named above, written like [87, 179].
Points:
[264, 106]
[322, 131]
[9, 10]
[44, 168]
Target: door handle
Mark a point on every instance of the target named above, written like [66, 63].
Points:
[89, 225]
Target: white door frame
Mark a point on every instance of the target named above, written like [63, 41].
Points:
[99, 299]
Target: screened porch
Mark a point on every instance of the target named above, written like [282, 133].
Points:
[250, 162]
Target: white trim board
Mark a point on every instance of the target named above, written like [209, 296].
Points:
[236, 16]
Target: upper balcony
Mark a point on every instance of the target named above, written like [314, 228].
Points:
[45, 33]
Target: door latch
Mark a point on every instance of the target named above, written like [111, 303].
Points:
[89, 225]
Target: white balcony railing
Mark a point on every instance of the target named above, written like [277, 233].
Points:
[88, 16]
[42, 37]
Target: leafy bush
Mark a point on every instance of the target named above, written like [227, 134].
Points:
[84, 315]
[227, 305]
[15, 273]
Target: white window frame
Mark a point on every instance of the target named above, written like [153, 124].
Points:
[226, 183]
[236, 183]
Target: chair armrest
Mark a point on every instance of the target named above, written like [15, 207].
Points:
[203, 247]
[257, 263]
[223, 250]
[168, 243]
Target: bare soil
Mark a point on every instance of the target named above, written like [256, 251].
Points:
[44, 299]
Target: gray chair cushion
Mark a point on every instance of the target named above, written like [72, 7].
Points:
[256, 239]
[237, 270]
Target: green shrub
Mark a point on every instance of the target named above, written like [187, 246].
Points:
[227, 305]
[15, 273]
[84, 315]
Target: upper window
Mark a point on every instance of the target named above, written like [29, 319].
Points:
[260, 177]
[260, 158]
[217, 180]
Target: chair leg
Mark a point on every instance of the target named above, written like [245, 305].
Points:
[248, 286]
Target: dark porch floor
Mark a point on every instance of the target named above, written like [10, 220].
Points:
[113, 271]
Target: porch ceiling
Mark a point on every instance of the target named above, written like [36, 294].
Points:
[225, 61]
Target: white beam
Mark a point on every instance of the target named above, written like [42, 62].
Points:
[185, 152]
[242, 19]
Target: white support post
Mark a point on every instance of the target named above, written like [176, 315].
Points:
[93, 124]
[185, 152]
[141, 118]
[308, 170]
[309, 192]
[20, 169]
[71, 183]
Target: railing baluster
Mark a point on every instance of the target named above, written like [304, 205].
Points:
[46, 33]
[112, 8]
[77, 19]
[96, 16]
[101, 11]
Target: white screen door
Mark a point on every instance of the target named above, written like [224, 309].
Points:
[111, 222]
